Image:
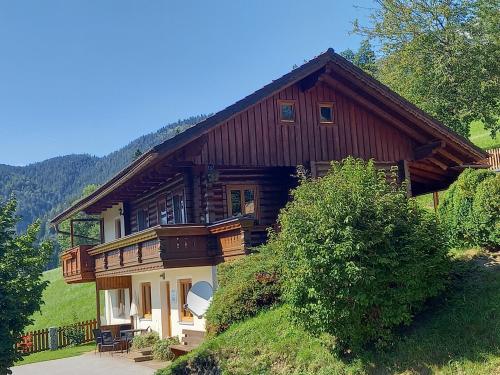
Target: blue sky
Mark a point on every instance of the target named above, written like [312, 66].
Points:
[88, 76]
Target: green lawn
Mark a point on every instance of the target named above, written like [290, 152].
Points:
[64, 303]
[481, 137]
[49, 355]
[458, 334]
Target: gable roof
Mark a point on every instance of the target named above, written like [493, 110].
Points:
[315, 65]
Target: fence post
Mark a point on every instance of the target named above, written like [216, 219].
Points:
[53, 342]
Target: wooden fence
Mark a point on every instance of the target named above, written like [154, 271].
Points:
[494, 159]
[38, 341]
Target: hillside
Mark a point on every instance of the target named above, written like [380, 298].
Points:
[64, 303]
[42, 189]
[458, 334]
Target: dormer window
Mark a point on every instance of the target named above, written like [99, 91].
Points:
[325, 113]
[287, 110]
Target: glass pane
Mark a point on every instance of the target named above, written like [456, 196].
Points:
[162, 208]
[287, 112]
[249, 202]
[236, 202]
[178, 204]
[325, 114]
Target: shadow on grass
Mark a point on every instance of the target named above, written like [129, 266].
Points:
[462, 327]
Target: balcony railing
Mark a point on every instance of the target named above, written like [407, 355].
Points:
[171, 246]
[78, 264]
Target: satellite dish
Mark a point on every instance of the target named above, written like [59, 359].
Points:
[199, 298]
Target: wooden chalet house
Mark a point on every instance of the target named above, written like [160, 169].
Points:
[208, 194]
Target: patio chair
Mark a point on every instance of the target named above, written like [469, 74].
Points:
[126, 337]
[98, 340]
[107, 341]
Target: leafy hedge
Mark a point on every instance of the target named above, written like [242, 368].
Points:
[246, 286]
[360, 257]
[470, 210]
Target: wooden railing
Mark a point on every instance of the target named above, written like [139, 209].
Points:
[38, 341]
[494, 159]
[77, 264]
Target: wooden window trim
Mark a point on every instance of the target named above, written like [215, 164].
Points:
[184, 315]
[292, 102]
[331, 105]
[145, 313]
[242, 188]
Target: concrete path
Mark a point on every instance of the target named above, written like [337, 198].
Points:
[86, 364]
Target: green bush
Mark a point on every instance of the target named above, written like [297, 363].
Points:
[146, 340]
[469, 210]
[486, 213]
[161, 349]
[204, 363]
[246, 286]
[360, 257]
[74, 335]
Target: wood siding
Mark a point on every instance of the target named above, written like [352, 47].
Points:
[256, 137]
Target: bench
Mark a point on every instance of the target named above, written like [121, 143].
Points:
[189, 341]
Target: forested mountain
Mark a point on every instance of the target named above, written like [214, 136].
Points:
[42, 189]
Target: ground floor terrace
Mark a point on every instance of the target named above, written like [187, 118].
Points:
[154, 300]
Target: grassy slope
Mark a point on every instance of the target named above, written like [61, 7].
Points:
[481, 137]
[64, 303]
[459, 334]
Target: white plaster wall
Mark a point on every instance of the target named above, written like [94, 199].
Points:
[109, 217]
[159, 295]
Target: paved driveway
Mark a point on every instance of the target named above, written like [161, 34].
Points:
[86, 364]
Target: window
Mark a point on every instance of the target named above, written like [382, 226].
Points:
[184, 287]
[287, 111]
[178, 207]
[162, 212]
[242, 200]
[146, 300]
[118, 228]
[143, 218]
[326, 113]
[121, 302]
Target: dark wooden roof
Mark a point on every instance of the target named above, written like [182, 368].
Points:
[314, 67]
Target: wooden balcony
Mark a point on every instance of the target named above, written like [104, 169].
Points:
[172, 246]
[78, 265]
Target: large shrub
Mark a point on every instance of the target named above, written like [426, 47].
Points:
[470, 211]
[246, 286]
[146, 340]
[360, 257]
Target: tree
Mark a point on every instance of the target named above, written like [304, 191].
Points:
[363, 58]
[443, 56]
[137, 154]
[360, 257]
[22, 262]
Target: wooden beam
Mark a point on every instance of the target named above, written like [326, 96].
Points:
[427, 150]
[435, 200]
[372, 107]
[439, 163]
[426, 174]
[450, 156]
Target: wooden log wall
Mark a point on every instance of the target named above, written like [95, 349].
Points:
[273, 186]
[257, 137]
[181, 182]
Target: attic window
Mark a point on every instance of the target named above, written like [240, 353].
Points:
[287, 110]
[325, 113]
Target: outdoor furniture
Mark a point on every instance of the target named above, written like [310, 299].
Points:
[107, 341]
[126, 337]
[26, 343]
[97, 337]
[190, 340]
